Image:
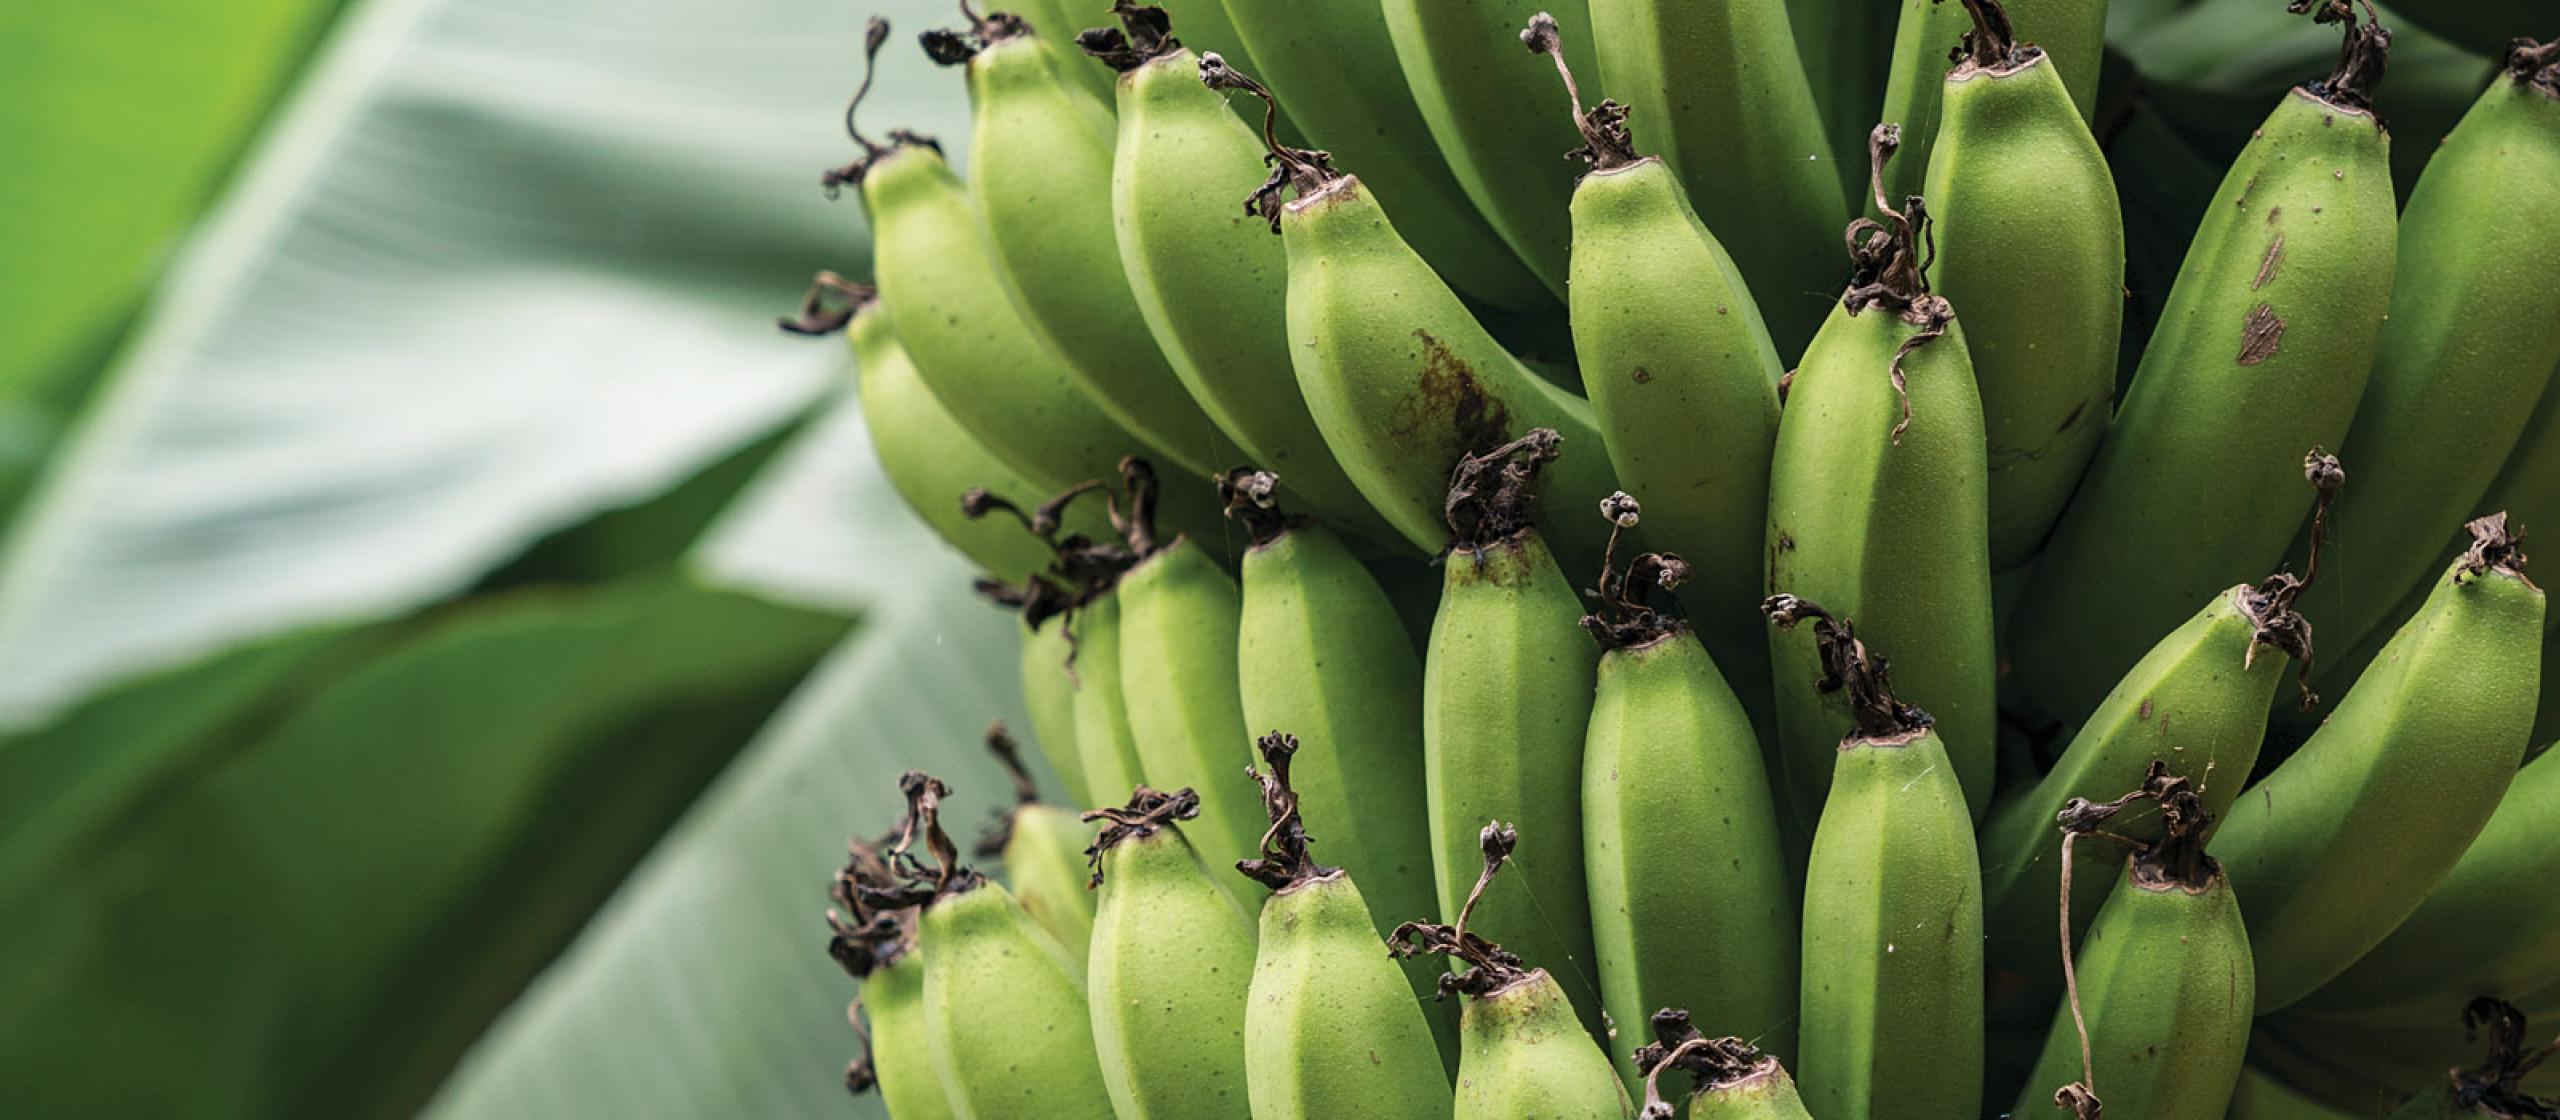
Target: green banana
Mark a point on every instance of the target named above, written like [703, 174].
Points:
[1507, 687]
[1104, 739]
[1400, 378]
[1334, 70]
[2489, 1090]
[1877, 506]
[1172, 957]
[2164, 980]
[1213, 293]
[1330, 1028]
[2032, 248]
[1931, 32]
[1732, 1079]
[1719, 89]
[1040, 176]
[1892, 1017]
[1049, 695]
[2261, 352]
[1522, 1052]
[1041, 848]
[2340, 843]
[1178, 634]
[2528, 487]
[878, 949]
[1004, 1004]
[2469, 348]
[1682, 375]
[2491, 927]
[2200, 701]
[1486, 114]
[1320, 650]
[2261, 1096]
[1846, 47]
[2482, 26]
[1670, 770]
[1054, 24]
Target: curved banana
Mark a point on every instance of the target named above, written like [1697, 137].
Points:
[2031, 247]
[2470, 346]
[1333, 68]
[1682, 376]
[1400, 378]
[2260, 1096]
[1522, 1051]
[2261, 353]
[1507, 687]
[1487, 114]
[1213, 290]
[1172, 957]
[1672, 771]
[1041, 848]
[1732, 1079]
[1040, 176]
[1892, 1020]
[2492, 927]
[2340, 843]
[2073, 32]
[2165, 984]
[1721, 95]
[1104, 739]
[1049, 695]
[1321, 651]
[879, 949]
[1847, 52]
[1877, 508]
[1331, 1029]
[1054, 24]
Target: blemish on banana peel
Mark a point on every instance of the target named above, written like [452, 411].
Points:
[2261, 334]
[2268, 265]
[1448, 390]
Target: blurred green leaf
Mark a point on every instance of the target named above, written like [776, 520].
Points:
[350, 883]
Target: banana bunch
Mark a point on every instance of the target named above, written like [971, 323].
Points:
[1869, 688]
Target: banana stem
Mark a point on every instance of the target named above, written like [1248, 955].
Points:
[1606, 143]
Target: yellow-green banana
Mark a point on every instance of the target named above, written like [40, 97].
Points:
[1041, 848]
[2031, 247]
[1721, 95]
[1049, 695]
[2489, 1091]
[1682, 375]
[1892, 1021]
[1333, 68]
[1670, 772]
[2340, 843]
[1522, 1051]
[1054, 24]
[2470, 346]
[1214, 292]
[1487, 113]
[2165, 984]
[1730, 1079]
[1933, 31]
[2492, 927]
[1400, 378]
[1877, 507]
[1507, 687]
[2261, 353]
[1331, 1028]
[1040, 175]
[878, 948]
[1172, 957]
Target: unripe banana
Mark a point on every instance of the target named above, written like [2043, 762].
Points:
[1179, 619]
[1172, 957]
[1847, 50]
[2261, 352]
[2470, 346]
[1691, 905]
[1041, 178]
[1931, 31]
[1732, 1079]
[1041, 848]
[2490, 1090]
[2338, 845]
[1103, 736]
[1214, 292]
[2492, 927]
[1400, 378]
[1054, 24]
[1331, 1029]
[1049, 695]
[2164, 981]
[1722, 97]
[2031, 246]
[1334, 70]
[1892, 1020]
[2374, 1070]
[1522, 1052]
[879, 949]
[1507, 687]
[1682, 376]
[1488, 114]
[1877, 507]
[1320, 650]
[2261, 1096]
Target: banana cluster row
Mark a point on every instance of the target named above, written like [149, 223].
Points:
[1919, 732]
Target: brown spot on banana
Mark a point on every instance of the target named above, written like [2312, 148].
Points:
[2260, 335]
[2273, 261]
